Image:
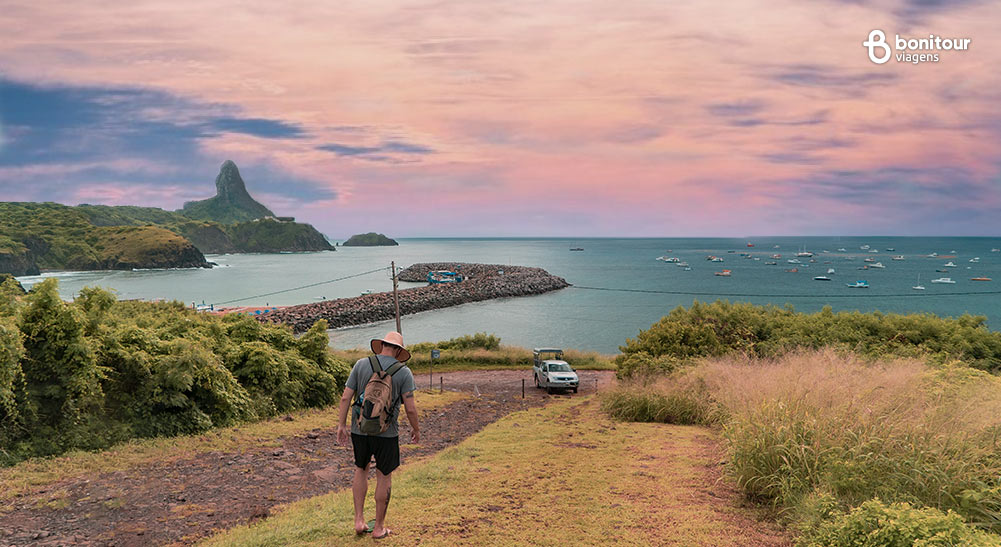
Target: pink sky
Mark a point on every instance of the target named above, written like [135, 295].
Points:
[563, 118]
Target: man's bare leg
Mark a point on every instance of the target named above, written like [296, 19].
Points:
[359, 487]
[383, 490]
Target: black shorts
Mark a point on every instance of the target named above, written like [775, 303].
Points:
[385, 449]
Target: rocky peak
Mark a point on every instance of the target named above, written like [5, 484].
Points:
[228, 184]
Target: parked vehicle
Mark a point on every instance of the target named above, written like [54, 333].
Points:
[551, 372]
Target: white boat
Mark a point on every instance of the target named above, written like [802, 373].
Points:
[821, 278]
[919, 286]
[949, 264]
[947, 280]
[842, 250]
[877, 265]
[995, 250]
[367, 291]
[830, 270]
[682, 264]
[975, 259]
[933, 255]
[874, 251]
[687, 269]
[793, 261]
[860, 284]
[716, 259]
[864, 247]
[890, 249]
[898, 257]
[673, 259]
[869, 259]
[771, 263]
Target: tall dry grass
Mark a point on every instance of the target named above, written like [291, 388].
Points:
[818, 432]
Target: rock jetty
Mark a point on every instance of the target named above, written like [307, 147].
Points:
[483, 282]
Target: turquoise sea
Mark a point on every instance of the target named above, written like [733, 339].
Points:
[587, 318]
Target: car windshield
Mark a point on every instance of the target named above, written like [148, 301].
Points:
[559, 367]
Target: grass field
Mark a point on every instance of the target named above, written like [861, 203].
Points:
[42, 471]
[561, 474]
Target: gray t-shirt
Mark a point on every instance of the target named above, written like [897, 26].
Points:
[403, 383]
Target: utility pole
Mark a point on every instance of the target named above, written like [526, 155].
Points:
[396, 298]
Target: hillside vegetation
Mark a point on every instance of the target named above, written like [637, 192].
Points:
[722, 328]
[231, 204]
[90, 373]
[859, 429]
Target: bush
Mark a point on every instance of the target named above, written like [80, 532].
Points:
[96, 371]
[479, 340]
[877, 524]
[722, 328]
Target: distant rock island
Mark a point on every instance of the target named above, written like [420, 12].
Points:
[370, 239]
[51, 236]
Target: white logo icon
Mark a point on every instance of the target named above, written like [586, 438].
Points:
[877, 39]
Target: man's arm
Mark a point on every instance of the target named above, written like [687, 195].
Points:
[410, 404]
[342, 415]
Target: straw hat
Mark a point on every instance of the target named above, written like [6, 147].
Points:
[392, 338]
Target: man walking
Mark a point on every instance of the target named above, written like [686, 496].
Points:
[385, 446]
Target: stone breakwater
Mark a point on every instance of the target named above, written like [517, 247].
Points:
[484, 282]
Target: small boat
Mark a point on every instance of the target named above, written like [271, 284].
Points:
[866, 267]
[821, 278]
[813, 261]
[576, 248]
[949, 264]
[731, 252]
[724, 273]
[975, 259]
[933, 255]
[898, 257]
[775, 247]
[874, 251]
[942, 270]
[673, 259]
[749, 244]
[771, 263]
[864, 247]
[804, 254]
[860, 284]
[946, 280]
[830, 270]
[870, 259]
[980, 279]
[794, 270]
[995, 250]
[919, 286]
[842, 250]
[682, 264]
[687, 269]
[776, 256]
[890, 249]
[793, 261]
[877, 265]
[366, 291]
[716, 259]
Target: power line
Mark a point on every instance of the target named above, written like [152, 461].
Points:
[299, 288]
[749, 295]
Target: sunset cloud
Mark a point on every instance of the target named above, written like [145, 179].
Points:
[560, 118]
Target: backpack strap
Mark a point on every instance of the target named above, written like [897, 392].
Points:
[373, 361]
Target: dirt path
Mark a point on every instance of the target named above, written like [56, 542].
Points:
[181, 500]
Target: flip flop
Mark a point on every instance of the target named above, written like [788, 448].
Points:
[368, 530]
[388, 531]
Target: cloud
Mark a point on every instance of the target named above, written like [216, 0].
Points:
[388, 151]
[831, 77]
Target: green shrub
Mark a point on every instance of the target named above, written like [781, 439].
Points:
[86, 374]
[876, 524]
[722, 328]
[479, 340]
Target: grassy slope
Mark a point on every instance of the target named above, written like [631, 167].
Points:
[507, 357]
[551, 476]
[43, 471]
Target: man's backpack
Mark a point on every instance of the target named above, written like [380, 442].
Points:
[377, 399]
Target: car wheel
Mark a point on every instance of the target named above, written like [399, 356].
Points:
[549, 390]
[575, 390]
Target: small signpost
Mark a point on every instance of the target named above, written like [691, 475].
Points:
[435, 354]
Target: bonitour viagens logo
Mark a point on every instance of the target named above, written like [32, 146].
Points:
[911, 50]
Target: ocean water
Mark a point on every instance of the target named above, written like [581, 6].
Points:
[620, 287]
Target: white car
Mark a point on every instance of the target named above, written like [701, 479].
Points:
[553, 374]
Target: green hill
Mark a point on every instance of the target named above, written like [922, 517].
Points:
[232, 203]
